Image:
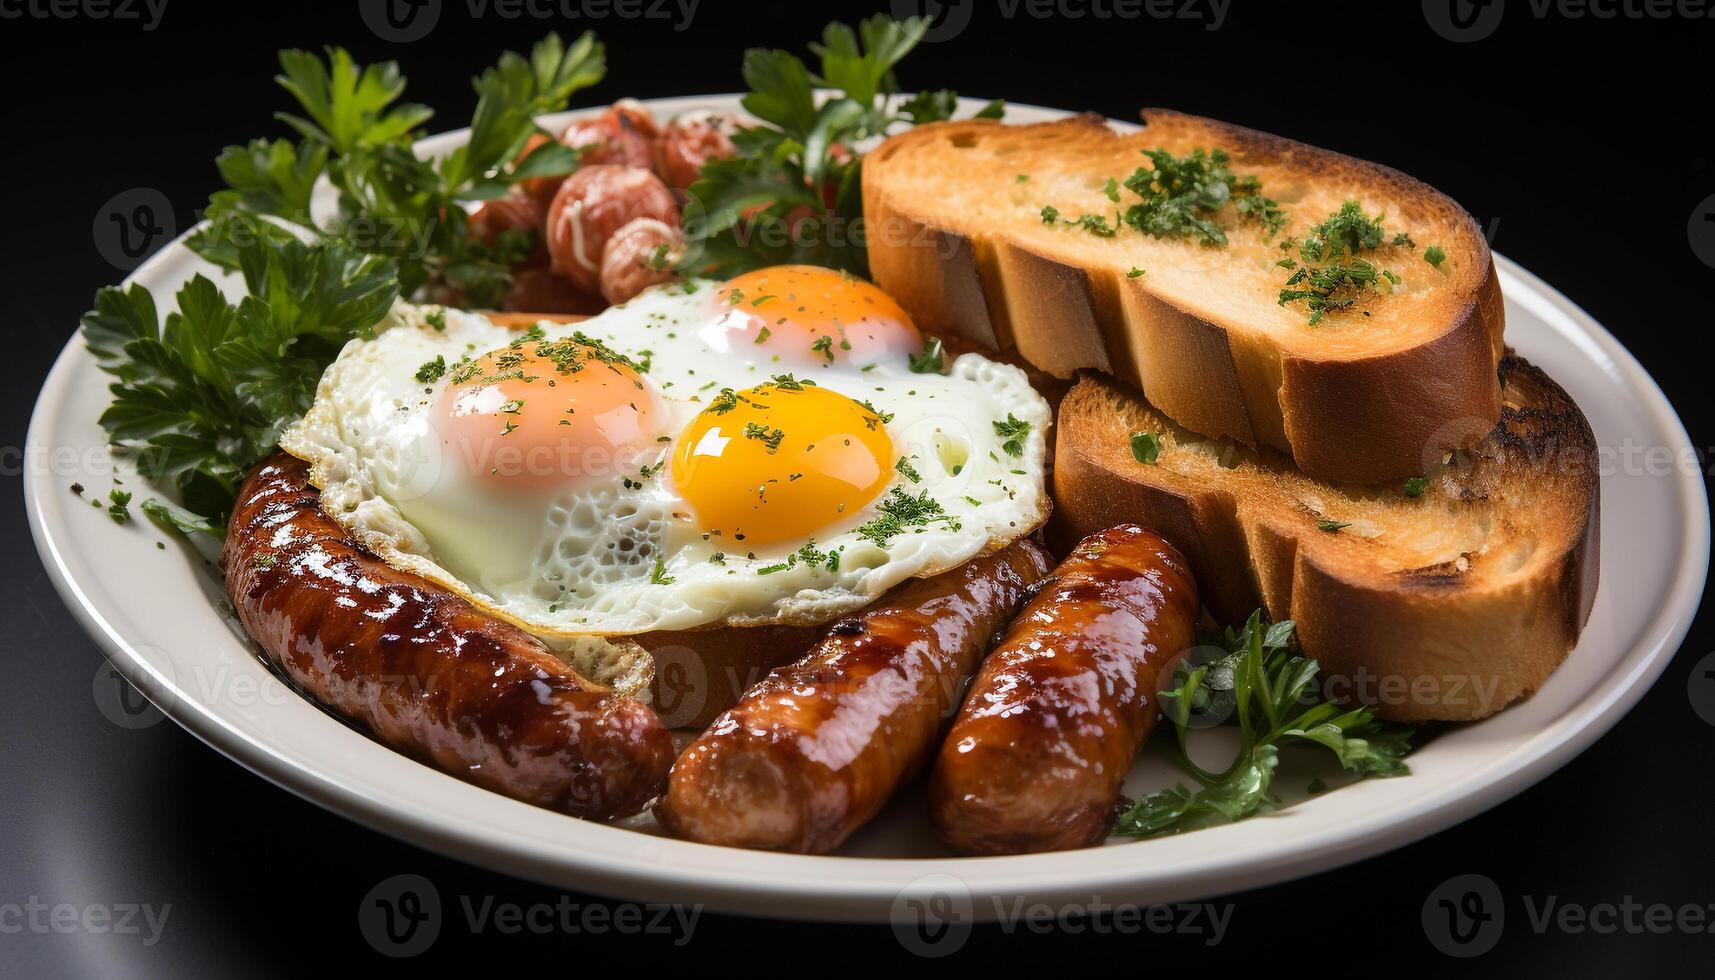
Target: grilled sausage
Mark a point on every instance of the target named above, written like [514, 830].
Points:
[425, 671]
[1035, 759]
[816, 749]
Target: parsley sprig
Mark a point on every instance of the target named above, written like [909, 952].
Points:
[354, 131]
[1268, 691]
[793, 194]
[203, 397]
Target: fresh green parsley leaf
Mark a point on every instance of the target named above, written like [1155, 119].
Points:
[1134, 273]
[1434, 255]
[658, 575]
[355, 132]
[1269, 691]
[431, 371]
[907, 470]
[1415, 486]
[1333, 527]
[201, 397]
[793, 194]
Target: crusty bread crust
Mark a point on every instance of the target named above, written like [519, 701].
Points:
[1363, 397]
[1446, 606]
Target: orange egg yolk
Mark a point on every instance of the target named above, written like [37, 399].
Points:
[780, 461]
[810, 315]
[549, 412]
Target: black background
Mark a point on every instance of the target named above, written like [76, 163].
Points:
[1582, 144]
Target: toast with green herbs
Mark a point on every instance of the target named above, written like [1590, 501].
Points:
[1253, 287]
[1441, 597]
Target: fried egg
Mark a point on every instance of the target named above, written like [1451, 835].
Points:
[769, 449]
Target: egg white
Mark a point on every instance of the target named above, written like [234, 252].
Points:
[622, 554]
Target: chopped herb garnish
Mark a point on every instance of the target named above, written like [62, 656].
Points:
[431, 371]
[658, 575]
[1415, 486]
[1182, 196]
[1434, 255]
[901, 512]
[1014, 431]
[1333, 274]
[1145, 447]
[768, 437]
[1134, 273]
[118, 506]
[724, 401]
[1333, 526]
[931, 360]
[907, 470]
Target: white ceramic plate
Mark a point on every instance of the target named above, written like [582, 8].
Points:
[158, 615]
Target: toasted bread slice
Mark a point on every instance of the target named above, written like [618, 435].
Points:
[956, 233]
[1446, 605]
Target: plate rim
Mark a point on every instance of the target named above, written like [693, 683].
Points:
[787, 886]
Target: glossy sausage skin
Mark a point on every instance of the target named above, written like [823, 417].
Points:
[815, 750]
[1035, 759]
[425, 671]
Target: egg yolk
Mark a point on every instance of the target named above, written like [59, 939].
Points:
[810, 315]
[549, 412]
[780, 461]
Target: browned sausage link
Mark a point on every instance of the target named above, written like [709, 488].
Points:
[425, 671]
[1035, 759]
[817, 748]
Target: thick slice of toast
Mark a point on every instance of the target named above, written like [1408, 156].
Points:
[957, 233]
[1446, 605]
